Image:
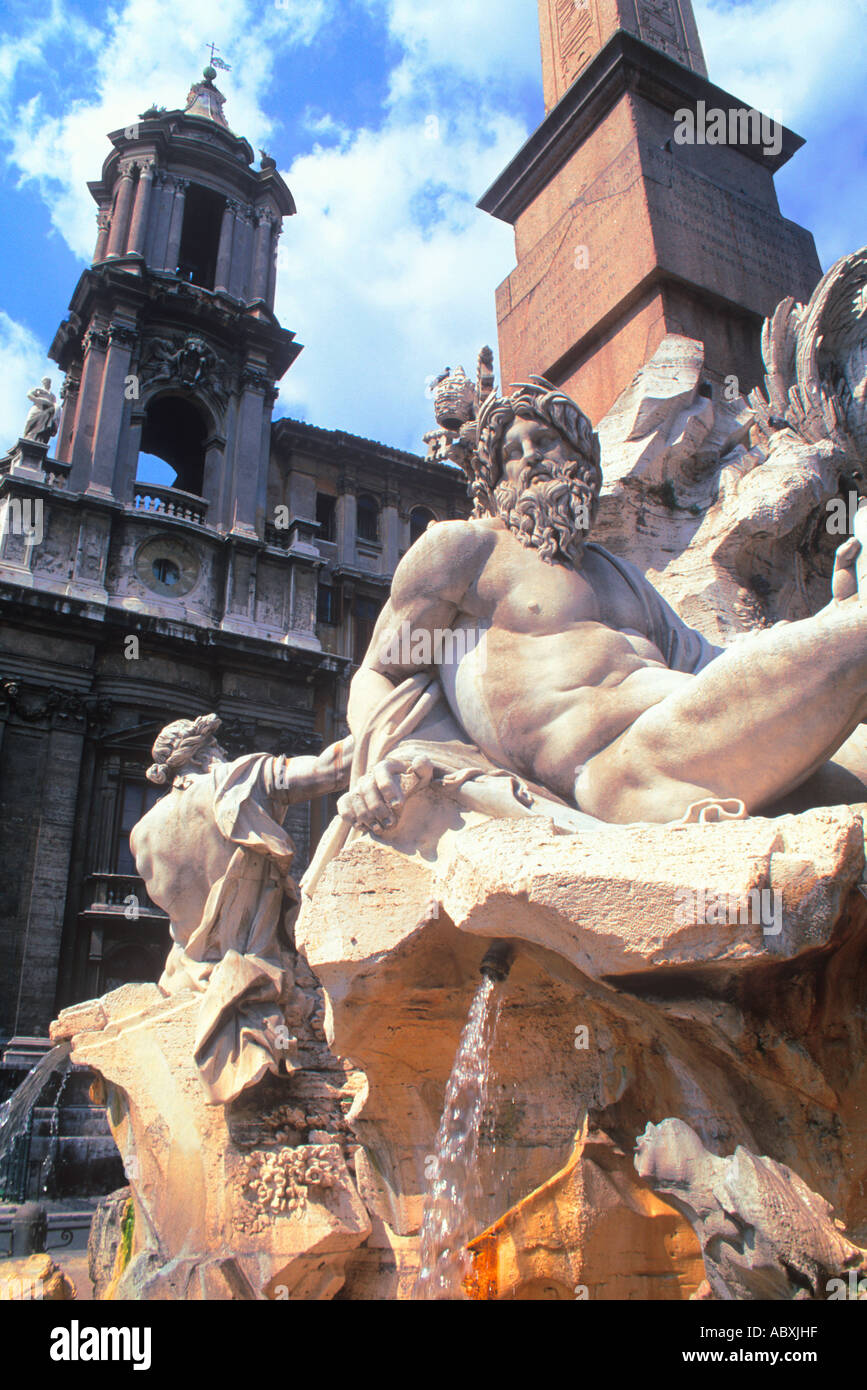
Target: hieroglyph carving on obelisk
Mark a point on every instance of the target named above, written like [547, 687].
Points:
[573, 32]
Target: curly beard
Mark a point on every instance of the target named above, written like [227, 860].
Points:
[551, 516]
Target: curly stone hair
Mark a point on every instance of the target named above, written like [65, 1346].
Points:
[536, 399]
[179, 744]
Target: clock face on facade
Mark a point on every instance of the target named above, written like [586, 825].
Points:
[167, 566]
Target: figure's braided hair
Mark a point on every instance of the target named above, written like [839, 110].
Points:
[180, 744]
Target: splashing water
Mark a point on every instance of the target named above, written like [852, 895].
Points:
[48, 1173]
[15, 1112]
[454, 1193]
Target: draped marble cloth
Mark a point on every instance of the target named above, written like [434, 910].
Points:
[415, 718]
[238, 953]
[409, 721]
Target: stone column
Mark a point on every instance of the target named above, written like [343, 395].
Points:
[249, 462]
[46, 890]
[272, 269]
[103, 223]
[262, 255]
[69, 398]
[224, 253]
[95, 348]
[112, 403]
[390, 533]
[176, 226]
[346, 513]
[138, 226]
[120, 217]
[241, 267]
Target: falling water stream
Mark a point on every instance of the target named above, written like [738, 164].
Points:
[48, 1173]
[16, 1111]
[451, 1209]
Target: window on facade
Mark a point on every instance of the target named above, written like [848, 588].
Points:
[365, 612]
[173, 445]
[326, 515]
[135, 799]
[419, 520]
[200, 236]
[327, 605]
[367, 522]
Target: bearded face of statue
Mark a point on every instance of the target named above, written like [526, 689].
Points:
[547, 492]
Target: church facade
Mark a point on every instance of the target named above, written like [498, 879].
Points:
[177, 552]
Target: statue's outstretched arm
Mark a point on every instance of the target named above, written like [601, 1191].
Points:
[301, 779]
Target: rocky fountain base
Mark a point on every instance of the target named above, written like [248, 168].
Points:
[652, 979]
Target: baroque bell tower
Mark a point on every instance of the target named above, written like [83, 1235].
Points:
[171, 347]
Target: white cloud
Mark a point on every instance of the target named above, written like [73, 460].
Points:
[134, 66]
[23, 364]
[388, 272]
[488, 43]
[785, 55]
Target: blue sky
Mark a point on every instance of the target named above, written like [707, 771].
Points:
[388, 118]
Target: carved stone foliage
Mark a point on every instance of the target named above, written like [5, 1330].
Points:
[95, 338]
[277, 1181]
[186, 360]
[255, 377]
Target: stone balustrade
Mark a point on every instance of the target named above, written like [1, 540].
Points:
[169, 501]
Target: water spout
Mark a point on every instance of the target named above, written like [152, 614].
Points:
[452, 1204]
[497, 960]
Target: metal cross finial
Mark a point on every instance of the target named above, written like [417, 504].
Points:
[216, 60]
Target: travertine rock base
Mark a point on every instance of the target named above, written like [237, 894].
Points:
[35, 1278]
[617, 1012]
[590, 1232]
[229, 1202]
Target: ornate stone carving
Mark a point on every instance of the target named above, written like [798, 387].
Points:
[456, 406]
[187, 360]
[256, 378]
[55, 706]
[816, 362]
[278, 1180]
[95, 338]
[123, 334]
[763, 1233]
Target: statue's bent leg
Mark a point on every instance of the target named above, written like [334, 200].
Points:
[752, 725]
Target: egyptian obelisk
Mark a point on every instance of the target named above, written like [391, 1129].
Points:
[626, 231]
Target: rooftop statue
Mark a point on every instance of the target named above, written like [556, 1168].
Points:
[41, 422]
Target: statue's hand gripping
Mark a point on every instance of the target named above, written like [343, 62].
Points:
[377, 800]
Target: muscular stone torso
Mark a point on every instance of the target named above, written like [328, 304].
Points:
[564, 666]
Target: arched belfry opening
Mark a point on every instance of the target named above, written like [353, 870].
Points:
[200, 236]
[172, 451]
